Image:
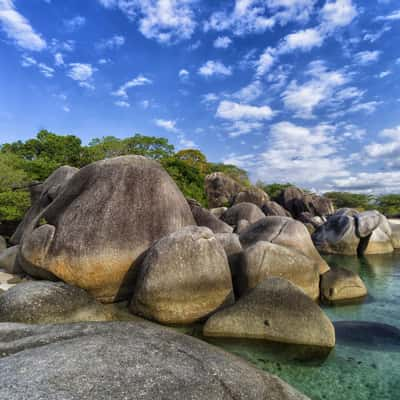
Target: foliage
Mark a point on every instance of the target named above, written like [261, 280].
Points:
[236, 173]
[273, 189]
[389, 204]
[358, 201]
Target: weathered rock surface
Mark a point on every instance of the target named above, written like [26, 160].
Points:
[205, 218]
[3, 244]
[340, 284]
[337, 236]
[101, 223]
[252, 195]
[218, 211]
[395, 235]
[367, 222]
[49, 190]
[242, 211]
[285, 232]
[272, 208]
[122, 360]
[43, 302]
[278, 311]
[319, 206]
[184, 277]
[380, 241]
[8, 260]
[264, 260]
[221, 190]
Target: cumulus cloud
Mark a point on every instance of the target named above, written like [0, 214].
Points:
[337, 14]
[304, 98]
[168, 125]
[114, 42]
[183, 74]
[250, 92]
[222, 42]
[58, 59]
[211, 68]
[74, 23]
[367, 57]
[18, 28]
[394, 16]
[82, 73]
[235, 111]
[140, 80]
[303, 40]
[44, 69]
[167, 21]
[122, 104]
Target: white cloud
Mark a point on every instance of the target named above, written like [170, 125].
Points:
[265, 62]
[302, 40]
[222, 42]
[368, 107]
[304, 98]
[122, 104]
[373, 37]
[337, 14]
[66, 109]
[140, 80]
[183, 74]
[18, 28]
[367, 57]
[82, 73]
[114, 42]
[250, 92]
[394, 16]
[370, 182]
[168, 125]
[44, 69]
[74, 23]
[211, 68]
[58, 59]
[384, 74]
[166, 21]
[239, 128]
[235, 111]
[389, 150]
[209, 98]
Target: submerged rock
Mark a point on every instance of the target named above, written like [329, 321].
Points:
[340, 284]
[101, 223]
[277, 311]
[264, 260]
[121, 360]
[285, 232]
[42, 302]
[184, 277]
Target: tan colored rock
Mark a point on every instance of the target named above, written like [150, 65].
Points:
[101, 223]
[277, 311]
[340, 284]
[242, 211]
[285, 232]
[380, 242]
[264, 260]
[184, 277]
[252, 195]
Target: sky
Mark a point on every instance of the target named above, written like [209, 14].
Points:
[300, 91]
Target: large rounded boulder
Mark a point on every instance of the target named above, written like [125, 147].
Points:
[125, 360]
[252, 195]
[101, 223]
[285, 232]
[42, 302]
[340, 284]
[221, 190]
[276, 311]
[184, 277]
[9, 260]
[264, 260]
[242, 212]
[273, 209]
[380, 241]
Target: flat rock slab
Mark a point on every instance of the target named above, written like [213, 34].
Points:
[123, 361]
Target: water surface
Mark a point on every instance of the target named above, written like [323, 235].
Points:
[365, 364]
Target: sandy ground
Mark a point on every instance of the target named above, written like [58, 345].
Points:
[4, 277]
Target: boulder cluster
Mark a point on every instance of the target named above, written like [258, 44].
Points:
[120, 230]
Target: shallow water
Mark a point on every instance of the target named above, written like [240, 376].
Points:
[365, 364]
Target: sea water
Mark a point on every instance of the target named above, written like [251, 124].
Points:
[365, 364]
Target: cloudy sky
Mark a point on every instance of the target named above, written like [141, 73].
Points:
[302, 91]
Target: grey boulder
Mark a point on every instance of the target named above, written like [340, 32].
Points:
[272, 208]
[184, 277]
[3, 243]
[253, 195]
[285, 232]
[9, 260]
[340, 284]
[42, 302]
[122, 360]
[242, 211]
[264, 260]
[277, 311]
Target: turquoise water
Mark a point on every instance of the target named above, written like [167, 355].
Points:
[365, 365]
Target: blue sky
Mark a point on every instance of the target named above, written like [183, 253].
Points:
[301, 91]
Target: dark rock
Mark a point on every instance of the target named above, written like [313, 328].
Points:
[221, 189]
[242, 211]
[252, 195]
[272, 208]
[205, 218]
[125, 360]
[42, 302]
[102, 222]
[3, 244]
[183, 278]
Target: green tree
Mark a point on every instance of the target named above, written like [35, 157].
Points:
[234, 172]
[273, 189]
[389, 204]
[358, 201]
[194, 158]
